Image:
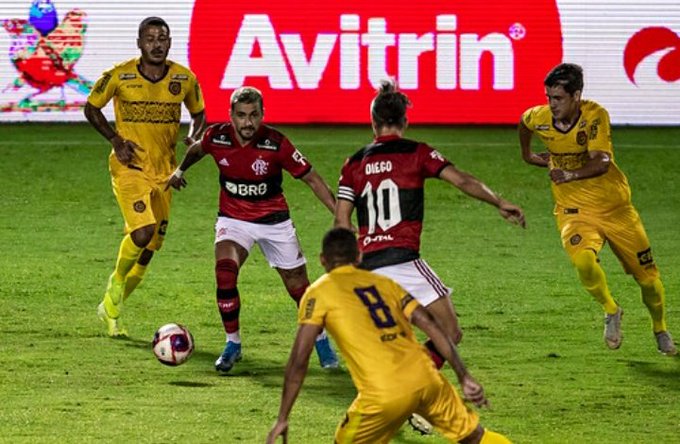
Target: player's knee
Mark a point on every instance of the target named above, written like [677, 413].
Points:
[226, 273]
[142, 236]
[585, 262]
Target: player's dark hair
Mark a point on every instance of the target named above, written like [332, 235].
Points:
[389, 106]
[152, 21]
[246, 94]
[567, 75]
[339, 247]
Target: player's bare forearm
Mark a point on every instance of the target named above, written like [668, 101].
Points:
[193, 155]
[536, 159]
[97, 119]
[343, 214]
[196, 128]
[296, 369]
[321, 189]
[470, 185]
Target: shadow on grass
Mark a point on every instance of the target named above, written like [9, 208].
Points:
[664, 373]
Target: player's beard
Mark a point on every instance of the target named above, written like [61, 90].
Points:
[251, 132]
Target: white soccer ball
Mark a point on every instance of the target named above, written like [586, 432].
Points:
[173, 344]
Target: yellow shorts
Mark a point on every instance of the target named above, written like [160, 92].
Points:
[142, 202]
[622, 229]
[374, 421]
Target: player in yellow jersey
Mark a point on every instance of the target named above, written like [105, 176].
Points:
[368, 316]
[592, 198]
[148, 93]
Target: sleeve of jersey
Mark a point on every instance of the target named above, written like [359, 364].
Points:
[206, 146]
[194, 98]
[293, 161]
[312, 309]
[600, 132]
[528, 118]
[345, 189]
[104, 89]
[432, 161]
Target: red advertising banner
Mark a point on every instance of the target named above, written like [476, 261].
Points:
[464, 61]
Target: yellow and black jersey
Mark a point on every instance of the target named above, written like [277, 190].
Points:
[366, 315]
[148, 112]
[569, 151]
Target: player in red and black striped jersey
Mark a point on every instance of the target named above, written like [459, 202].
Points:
[384, 182]
[251, 158]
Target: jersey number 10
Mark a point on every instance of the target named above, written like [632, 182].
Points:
[382, 205]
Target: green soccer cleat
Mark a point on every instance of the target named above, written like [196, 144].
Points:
[114, 328]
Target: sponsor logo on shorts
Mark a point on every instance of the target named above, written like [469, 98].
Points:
[175, 88]
[163, 227]
[645, 257]
[575, 239]
[139, 206]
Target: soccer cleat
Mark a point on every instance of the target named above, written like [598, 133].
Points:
[420, 424]
[612, 329]
[113, 297]
[327, 357]
[114, 328]
[230, 356]
[664, 343]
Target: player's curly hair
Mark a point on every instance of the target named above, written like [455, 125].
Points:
[568, 75]
[389, 106]
[339, 247]
[246, 94]
[152, 21]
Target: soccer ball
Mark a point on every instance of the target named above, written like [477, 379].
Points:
[173, 344]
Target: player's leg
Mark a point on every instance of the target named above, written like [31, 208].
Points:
[372, 422]
[232, 245]
[630, 243]
[280, 245]
[582, 239]
[134, 199]
[160, 205]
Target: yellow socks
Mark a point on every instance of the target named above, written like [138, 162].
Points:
[127, 257]
[593, 279]
[653, 295]
[133, 279]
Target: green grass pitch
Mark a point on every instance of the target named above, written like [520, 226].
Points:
[533, 337]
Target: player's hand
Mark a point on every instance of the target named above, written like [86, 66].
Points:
[124, 149]
[473, 392]
[176, 180]
[279, 429]
[559, 176]
[512, 213]
[540, 159]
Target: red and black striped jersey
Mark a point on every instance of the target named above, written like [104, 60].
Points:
[251, 175]
[384, 181]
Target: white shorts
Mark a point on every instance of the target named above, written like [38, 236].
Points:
[278, 242]
[418, 279]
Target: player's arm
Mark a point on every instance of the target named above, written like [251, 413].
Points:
[197, 126]
[472, 390]
[343, 214]
[320, 188]
[597, 164]
[538, 159]
[124, 149]
[193, 155]
[296, 370]
[473, 187]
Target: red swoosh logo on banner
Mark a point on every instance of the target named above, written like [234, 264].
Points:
[648, 41]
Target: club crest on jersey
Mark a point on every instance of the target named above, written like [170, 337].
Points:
[175, 88]
[575, 239]
[581, 138]
[267, 145]
[260, 167]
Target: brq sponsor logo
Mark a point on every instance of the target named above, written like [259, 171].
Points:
[464, 61]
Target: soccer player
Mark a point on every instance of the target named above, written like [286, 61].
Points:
[592, 198]
[250, 157]
[147, 93]
[368, 316]
[384, 181]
